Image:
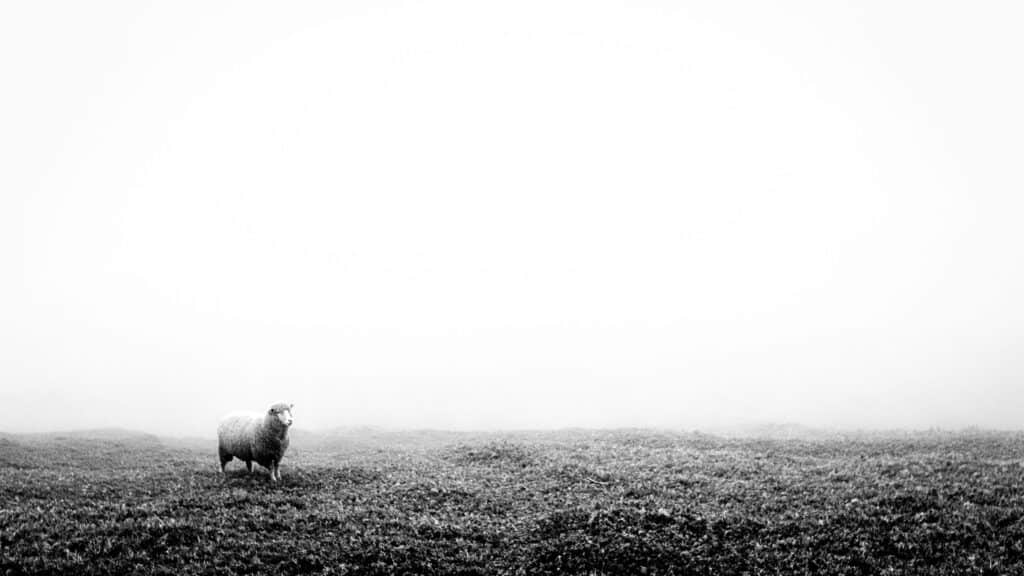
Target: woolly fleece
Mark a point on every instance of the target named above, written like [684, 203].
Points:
[254, 437]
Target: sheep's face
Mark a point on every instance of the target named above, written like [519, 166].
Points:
[283, 413]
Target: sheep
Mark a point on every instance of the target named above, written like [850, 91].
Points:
[253, 436]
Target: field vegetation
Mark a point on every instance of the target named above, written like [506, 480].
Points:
[567, 502]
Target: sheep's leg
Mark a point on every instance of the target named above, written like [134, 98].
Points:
[248, 466]
[275, 471]
[224, 459]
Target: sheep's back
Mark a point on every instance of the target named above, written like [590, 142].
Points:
[236, 433]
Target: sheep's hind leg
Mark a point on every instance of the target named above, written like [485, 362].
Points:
[224, 459]
[248, 466]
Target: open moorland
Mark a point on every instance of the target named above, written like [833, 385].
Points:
[568, 502]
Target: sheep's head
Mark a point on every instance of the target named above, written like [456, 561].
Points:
[283, 413]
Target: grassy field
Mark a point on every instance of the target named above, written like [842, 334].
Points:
[570, 502]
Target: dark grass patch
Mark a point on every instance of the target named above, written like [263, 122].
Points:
[622, 540]
[499, 453]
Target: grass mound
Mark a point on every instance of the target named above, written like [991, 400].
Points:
[501, 453]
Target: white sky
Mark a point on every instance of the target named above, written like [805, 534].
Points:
[511, 214]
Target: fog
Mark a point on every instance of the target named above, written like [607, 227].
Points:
[479, 215]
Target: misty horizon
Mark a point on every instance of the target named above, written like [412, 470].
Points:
[739, 429]
[206, 427]
[534, 216]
